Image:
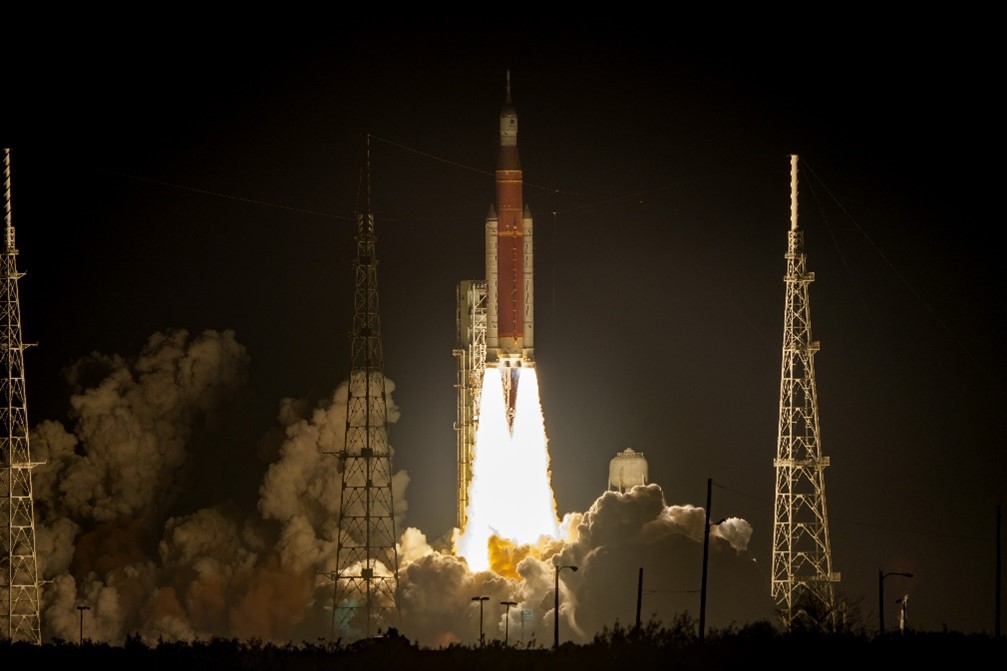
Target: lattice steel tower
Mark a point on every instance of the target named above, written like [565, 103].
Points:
[803, 580]
[471, 356]
[367, 582]
[19, 584]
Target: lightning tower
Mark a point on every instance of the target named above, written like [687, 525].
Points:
[19, 584]
[802, 576]
[367, 583]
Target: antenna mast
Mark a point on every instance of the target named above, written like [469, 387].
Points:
[802, 580]
[19, 584]
[366, 553]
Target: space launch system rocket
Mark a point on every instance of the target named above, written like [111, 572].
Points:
[496, 315]
[510, 271]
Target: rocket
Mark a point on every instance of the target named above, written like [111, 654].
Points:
[510, 271]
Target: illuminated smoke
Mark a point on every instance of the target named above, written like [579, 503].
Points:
[107, 486]
[510, 497]
[148, 566]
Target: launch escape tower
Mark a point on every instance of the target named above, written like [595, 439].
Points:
[366, 578]
[19, 584]
[802, 576]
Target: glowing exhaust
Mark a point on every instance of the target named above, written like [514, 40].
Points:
[511, 494]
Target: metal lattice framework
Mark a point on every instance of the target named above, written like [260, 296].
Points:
[802, 578]
[367, 583]
[19, 584]
[471, 355]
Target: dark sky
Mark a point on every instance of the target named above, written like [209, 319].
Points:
[207, 180]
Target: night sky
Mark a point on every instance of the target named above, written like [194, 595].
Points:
[205, 182]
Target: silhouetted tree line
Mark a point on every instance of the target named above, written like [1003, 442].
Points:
[653, 645]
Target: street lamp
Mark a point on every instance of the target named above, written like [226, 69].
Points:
[480, 599]
[881, 596]
[507, 620]
[82, 609]
[555, 631]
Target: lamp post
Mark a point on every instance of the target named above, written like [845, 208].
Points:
[555, 630]
[881, 596]
[508, 604]
[82, 609]
[480, 599]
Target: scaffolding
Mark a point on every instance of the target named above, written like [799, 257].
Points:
[471, 356]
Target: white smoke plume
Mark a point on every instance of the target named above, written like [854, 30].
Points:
[106, 539]
[620, 535]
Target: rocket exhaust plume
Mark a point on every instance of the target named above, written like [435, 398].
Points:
[510, 496]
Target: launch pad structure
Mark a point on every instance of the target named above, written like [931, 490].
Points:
[471, 355]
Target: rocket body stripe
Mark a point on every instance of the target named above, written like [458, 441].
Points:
[510, 246]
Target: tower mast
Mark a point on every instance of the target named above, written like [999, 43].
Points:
[19, 584]
[366, 554]
[802, 576]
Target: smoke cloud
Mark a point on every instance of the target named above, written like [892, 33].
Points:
[110, 534]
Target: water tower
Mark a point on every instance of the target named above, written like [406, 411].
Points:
[626, 470]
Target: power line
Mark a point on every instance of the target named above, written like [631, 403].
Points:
[218, 194]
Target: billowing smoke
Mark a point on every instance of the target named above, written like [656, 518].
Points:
[111, 534]
[133, 422]
[108, 482]
[620, 536]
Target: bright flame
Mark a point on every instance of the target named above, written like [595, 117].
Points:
[510, 496]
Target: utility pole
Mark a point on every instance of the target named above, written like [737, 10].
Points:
[82, 609]
[706, 561]
[639, 599]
